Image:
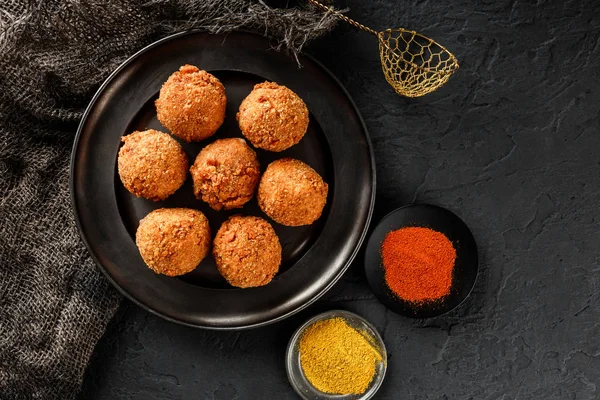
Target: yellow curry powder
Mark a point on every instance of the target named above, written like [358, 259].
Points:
[336, 358]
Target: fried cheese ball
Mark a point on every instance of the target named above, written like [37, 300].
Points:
[191, 104]
[151, 164]
[247, 251]
[226, 173]
[292, 193]
[173, 241]
[273, 117]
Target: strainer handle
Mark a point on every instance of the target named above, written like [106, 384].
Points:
[343, 17]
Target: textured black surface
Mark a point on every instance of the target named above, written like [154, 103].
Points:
[511, 145]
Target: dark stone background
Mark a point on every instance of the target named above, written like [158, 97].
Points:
[510, 144]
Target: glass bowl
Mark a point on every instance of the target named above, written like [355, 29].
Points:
[294, 369]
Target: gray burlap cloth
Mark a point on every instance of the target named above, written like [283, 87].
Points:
[54, 54]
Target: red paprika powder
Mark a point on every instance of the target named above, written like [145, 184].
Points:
[418, 264]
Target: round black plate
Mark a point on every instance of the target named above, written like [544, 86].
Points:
[438, 219]
[314, 257]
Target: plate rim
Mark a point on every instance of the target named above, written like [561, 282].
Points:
[75, 208]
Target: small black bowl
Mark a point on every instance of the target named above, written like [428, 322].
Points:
[438, 219]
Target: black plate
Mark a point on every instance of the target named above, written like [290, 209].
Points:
[314, 257]
[438, 219]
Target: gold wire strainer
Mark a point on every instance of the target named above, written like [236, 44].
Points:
[413, 64]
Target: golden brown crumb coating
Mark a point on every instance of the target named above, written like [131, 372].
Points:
[173, 241]
[292, 193]
[226, 173]
[247, 251]
[273, 117]
[191, 104]
[152, 164]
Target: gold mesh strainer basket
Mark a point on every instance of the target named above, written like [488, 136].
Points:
[413, 64]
